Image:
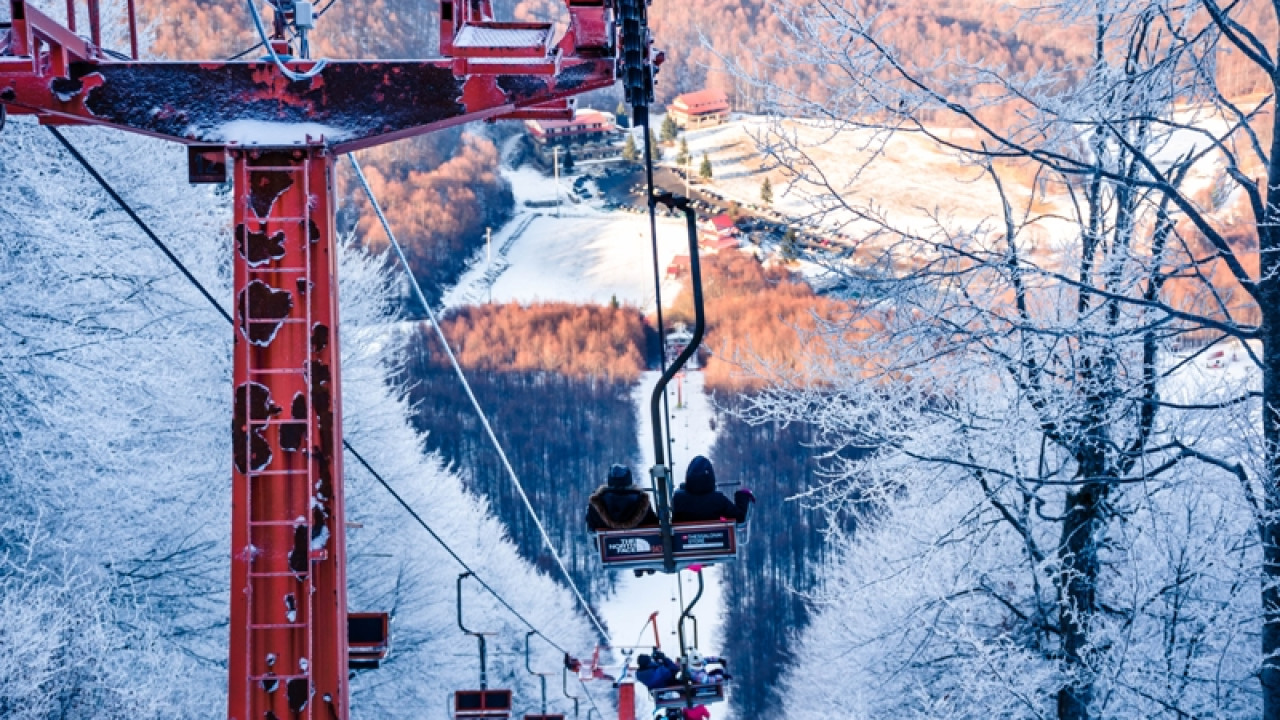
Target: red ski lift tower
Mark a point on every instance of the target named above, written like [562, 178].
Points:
[283, 121]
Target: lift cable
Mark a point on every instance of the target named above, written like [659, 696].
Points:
[466, 386]
[155, 239]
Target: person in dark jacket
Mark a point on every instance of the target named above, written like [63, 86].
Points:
[619, 505]
[697, 498]
[658, 671]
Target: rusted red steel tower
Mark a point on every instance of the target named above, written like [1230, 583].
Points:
[289, 654]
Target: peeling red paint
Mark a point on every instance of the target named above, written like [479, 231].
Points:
[252, 404]
[259, 248]
[263, 309]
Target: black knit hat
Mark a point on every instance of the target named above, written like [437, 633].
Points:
[619, 476]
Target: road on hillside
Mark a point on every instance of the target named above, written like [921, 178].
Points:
[623, 186]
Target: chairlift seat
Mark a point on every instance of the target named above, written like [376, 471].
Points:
[368, 639]
[697, 543]
[686, 695]
[482, 704]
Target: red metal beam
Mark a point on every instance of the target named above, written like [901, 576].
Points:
[349, 105]
[288, 577]
[289, 655]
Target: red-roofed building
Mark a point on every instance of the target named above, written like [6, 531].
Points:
[679, 266]
[718, 233]
[699, 109]
[589, 135]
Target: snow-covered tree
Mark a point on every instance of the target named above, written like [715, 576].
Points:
[1017, 378]
[115, 462]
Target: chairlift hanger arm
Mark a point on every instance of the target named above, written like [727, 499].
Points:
[699, 317]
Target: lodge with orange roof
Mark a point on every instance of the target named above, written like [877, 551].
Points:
[703, 108]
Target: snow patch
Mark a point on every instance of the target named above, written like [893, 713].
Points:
[267, 133]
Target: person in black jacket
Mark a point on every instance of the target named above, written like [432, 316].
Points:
[658, 671]
[619, 505]
[697, 498]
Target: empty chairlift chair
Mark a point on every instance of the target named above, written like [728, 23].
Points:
[482, 704]
[368, 639]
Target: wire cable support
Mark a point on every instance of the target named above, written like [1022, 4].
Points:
[271, 51]
[484, 419]
[155, 240]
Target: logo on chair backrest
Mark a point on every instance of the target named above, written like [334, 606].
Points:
[630, 546]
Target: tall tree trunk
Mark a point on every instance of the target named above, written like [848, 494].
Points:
[1268, 295]
[1078, 588]
[1269, 299]
[1270, 527]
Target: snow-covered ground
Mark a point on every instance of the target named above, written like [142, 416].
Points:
[590, 255]
[908, 176]
[578, 253]
[626, 612]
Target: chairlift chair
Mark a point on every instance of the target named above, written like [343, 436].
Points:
[368, 639]
[542, 679]
[688, 695]
[697, 543]
[482, 703]
[671, 547]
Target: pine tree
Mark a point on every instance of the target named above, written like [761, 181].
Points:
[655, 152]
[787, 249]
[704, 170]
[567, 165]
[624, 120]
[629, 152]
[669, 129]
[766, 192]
[682, 157]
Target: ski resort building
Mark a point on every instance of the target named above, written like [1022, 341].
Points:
[703, 108]
[718, 233]
[678, 267]
[590, 135]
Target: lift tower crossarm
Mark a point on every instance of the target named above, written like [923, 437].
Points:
[284, 127]
[349, 105]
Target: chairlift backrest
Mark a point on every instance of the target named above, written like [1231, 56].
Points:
[482, 704]
[697, 543]
[368, 639]
[686, 695]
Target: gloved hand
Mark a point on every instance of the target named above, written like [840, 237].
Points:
[744, 495]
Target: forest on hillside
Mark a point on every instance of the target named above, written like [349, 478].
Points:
[557, 382]
[441, 191]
